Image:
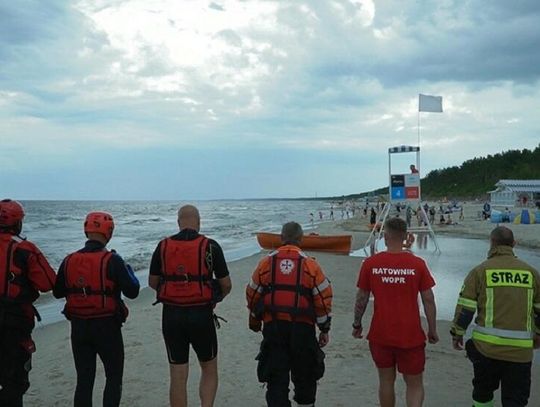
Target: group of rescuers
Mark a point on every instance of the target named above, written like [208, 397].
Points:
[287, 297]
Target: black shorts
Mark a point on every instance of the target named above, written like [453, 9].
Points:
[183, 326]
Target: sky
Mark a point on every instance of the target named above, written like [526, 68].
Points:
[232, 99]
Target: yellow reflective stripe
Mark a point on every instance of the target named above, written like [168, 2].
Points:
[465, 302]
[509, 278]
[529, 309]
[488, 323]
[458, 331]
[486, 404]
[497, 340]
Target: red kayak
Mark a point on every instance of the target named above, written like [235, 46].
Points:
[334, 244]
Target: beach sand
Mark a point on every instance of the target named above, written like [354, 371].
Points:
[350, 378]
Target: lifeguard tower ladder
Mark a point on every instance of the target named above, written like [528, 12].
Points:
[402, 188]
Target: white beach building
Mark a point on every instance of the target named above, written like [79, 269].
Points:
[516, 192]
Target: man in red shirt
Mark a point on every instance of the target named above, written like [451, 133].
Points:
[396, 338]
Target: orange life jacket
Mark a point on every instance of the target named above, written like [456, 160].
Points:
[89, 291]
[13, 280]
[186, 279]
[288, 295]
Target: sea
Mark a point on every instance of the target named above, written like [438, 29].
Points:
[57, 228]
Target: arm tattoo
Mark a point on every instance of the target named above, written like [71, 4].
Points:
[362, 299]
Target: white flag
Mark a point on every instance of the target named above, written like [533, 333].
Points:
[428, 103]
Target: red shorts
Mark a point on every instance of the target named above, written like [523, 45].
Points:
[409, 361]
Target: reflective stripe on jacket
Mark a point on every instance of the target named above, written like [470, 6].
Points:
[504, 291]
[288, 285]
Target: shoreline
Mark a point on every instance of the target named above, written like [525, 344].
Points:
[350, 379]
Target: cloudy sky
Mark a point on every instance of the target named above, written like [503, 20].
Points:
[169, 99]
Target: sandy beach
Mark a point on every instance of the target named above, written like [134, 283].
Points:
[350, 378]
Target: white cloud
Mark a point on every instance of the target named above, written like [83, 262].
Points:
[337, 76]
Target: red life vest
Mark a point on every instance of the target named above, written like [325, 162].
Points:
[288, 295]
[13, 280]
[186, 279]
[89, 291]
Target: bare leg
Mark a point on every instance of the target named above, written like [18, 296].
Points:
[209, 382]
[415, 390]
[387, 378]
[178, 387]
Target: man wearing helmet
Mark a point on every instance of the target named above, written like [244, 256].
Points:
[24, 272]
[92, 281]
[190, 275]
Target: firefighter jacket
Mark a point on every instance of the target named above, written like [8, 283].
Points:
[288, 285]
[505, 294]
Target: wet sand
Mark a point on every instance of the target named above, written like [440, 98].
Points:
[350, 379]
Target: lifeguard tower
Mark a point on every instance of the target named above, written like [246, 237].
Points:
[402, 189]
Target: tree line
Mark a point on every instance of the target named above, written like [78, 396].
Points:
[477, 176]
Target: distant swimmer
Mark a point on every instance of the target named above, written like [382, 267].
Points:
[92, 280]
[504, 293]
[190, 275]
[396, 338]
[24, 273]
[288, 296]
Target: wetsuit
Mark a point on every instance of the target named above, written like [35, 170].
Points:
[101, 335]
[185, 325]
[17, 314]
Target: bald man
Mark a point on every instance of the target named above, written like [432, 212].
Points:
[190, 275]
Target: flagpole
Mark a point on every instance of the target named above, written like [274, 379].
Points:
[419, 127]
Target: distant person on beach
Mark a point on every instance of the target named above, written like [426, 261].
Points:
[320, 215]
[396, 338]
[432, 213]
[408, 215]
[24, 273]
[190, 275]
[288, 296]
[486, 210]
[332, 212]
[504, 293]
[92, 280]
[372, 216]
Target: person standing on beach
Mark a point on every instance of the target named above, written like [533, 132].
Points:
[92, 280]
[396, 338]
[24, 272]
[190, 275]
[504, 292]
[290, 294]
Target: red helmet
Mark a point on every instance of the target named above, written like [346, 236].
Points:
[11, 213]
[99, 222]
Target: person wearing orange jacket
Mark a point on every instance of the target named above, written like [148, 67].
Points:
[92, 280]
[289, 294]
[24, 272]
